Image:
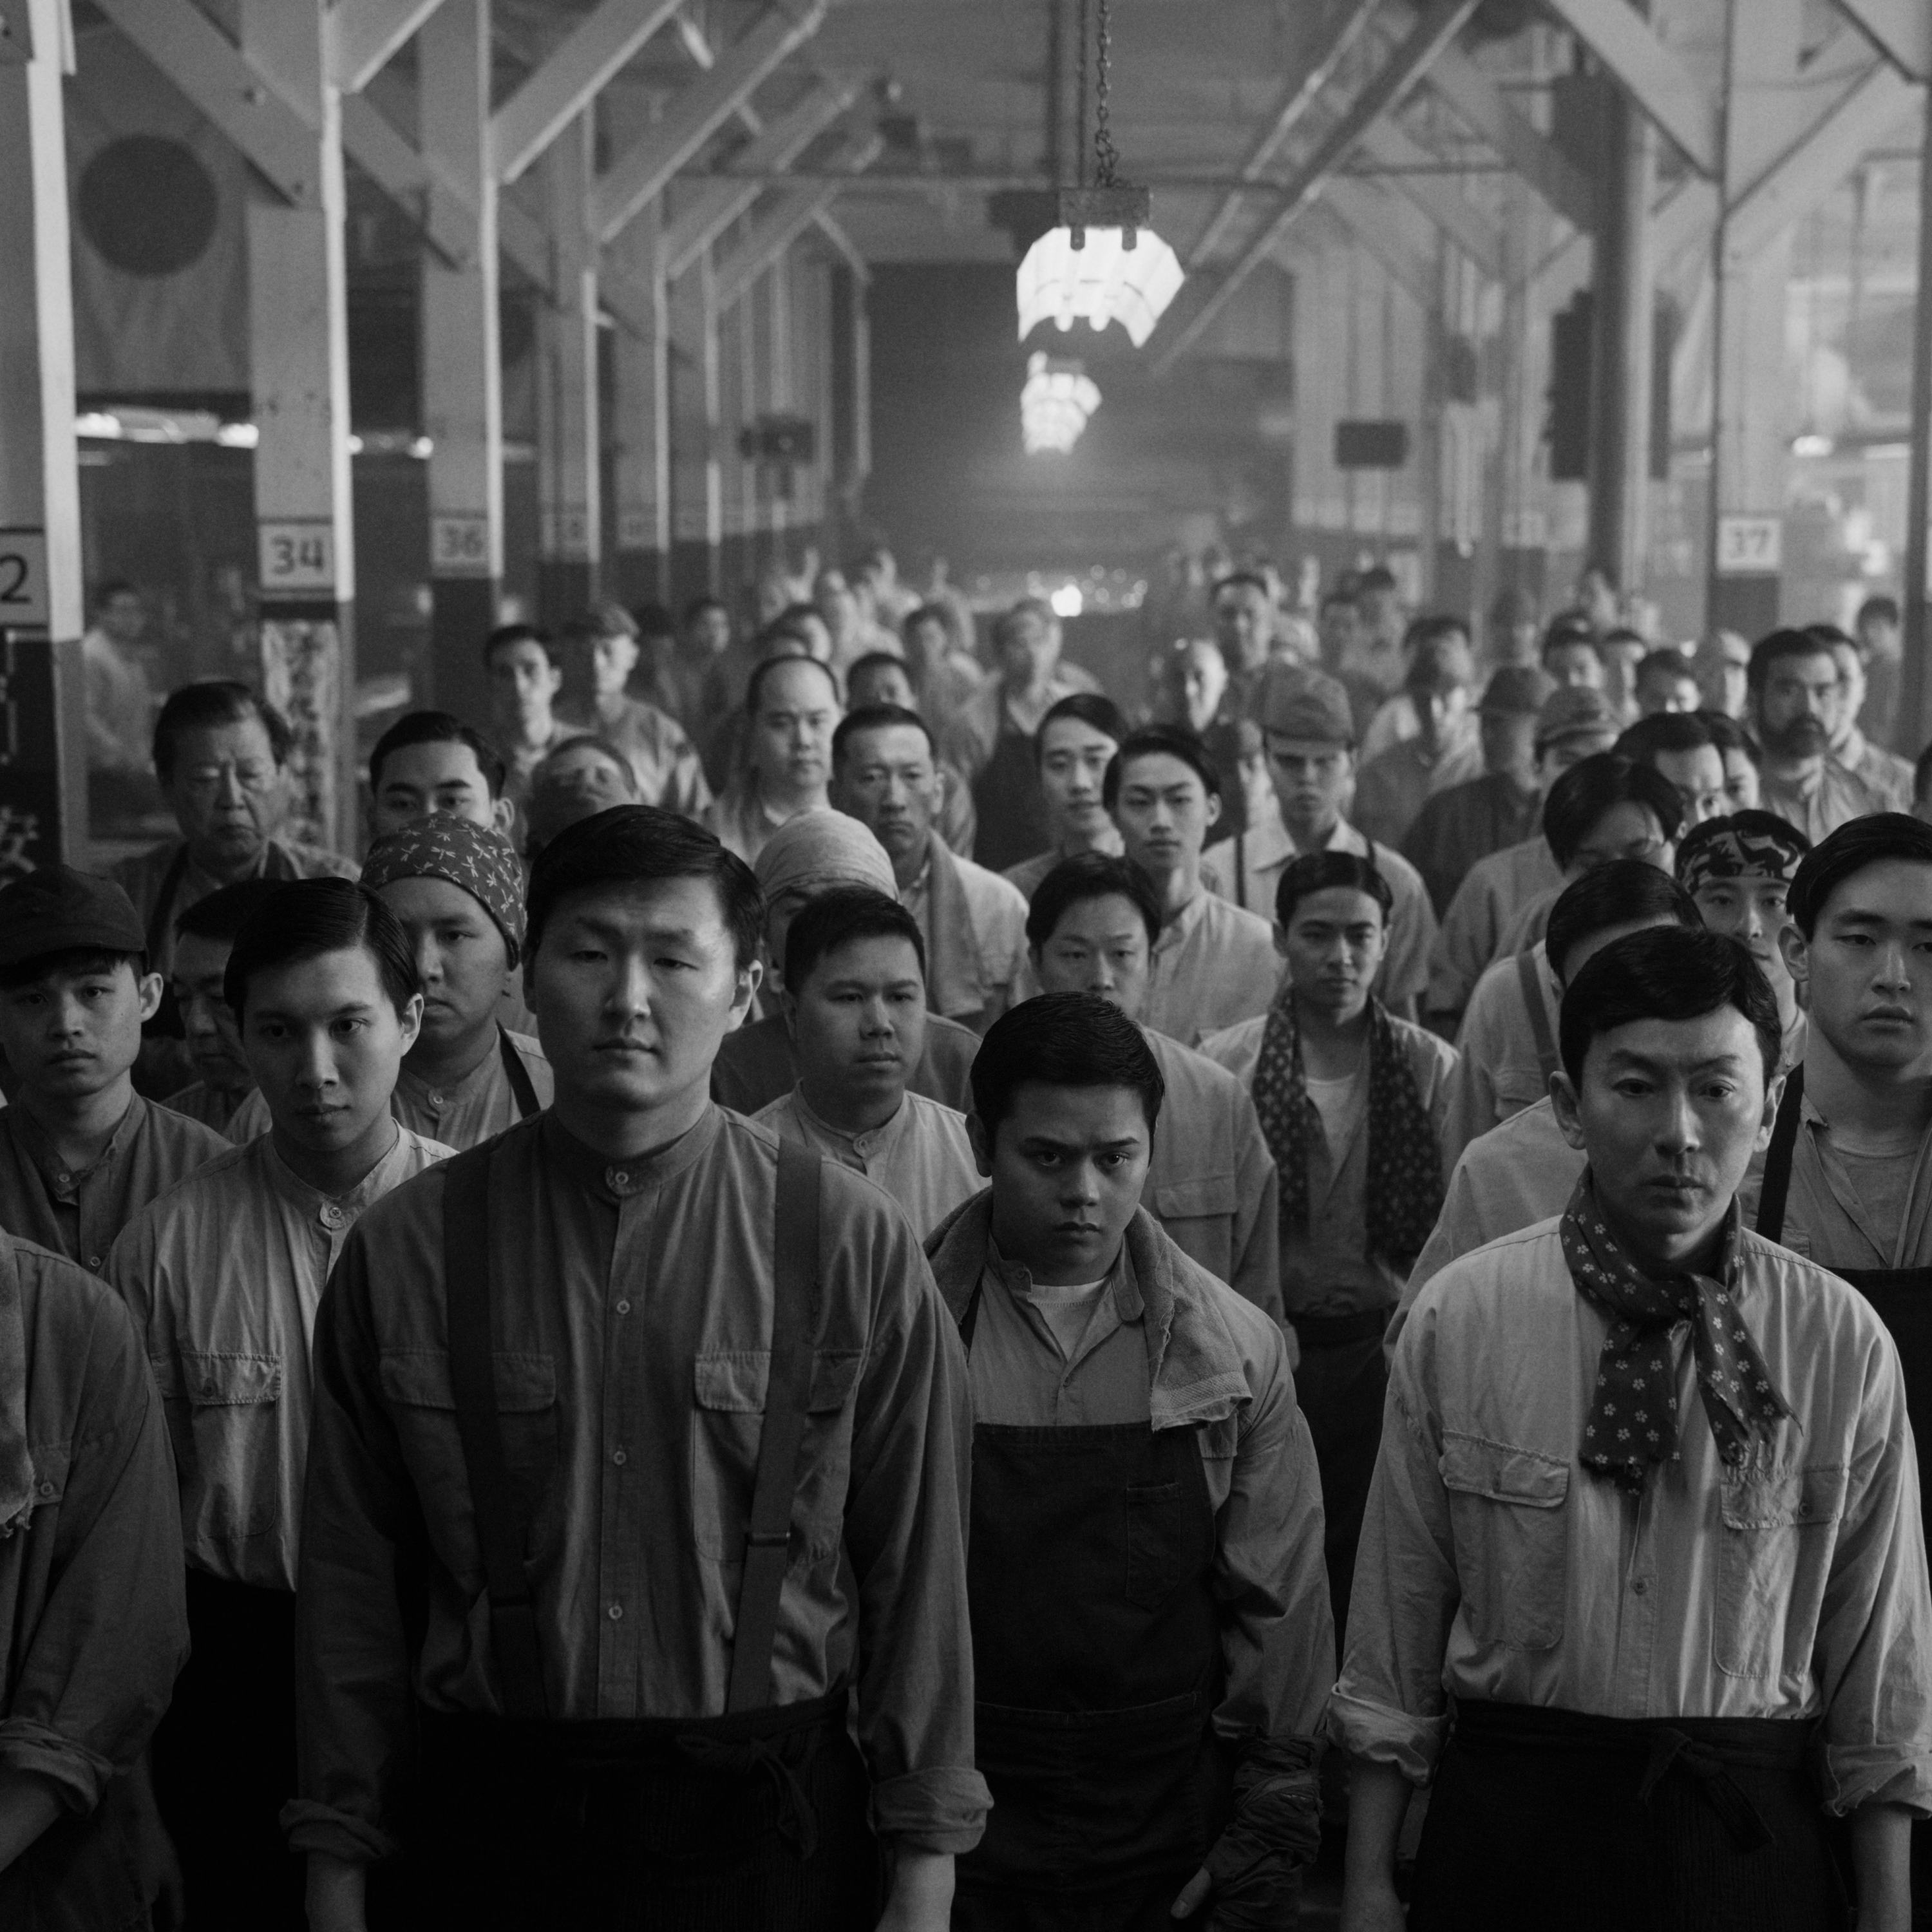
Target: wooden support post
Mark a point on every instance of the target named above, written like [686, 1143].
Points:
[462, 372]
[1915, 706]
[42, 719]
[697, 482]
[569, 493]
[781, 398]
[640, 426]
[298, 370]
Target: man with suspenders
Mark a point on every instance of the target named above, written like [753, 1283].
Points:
[640, 1444]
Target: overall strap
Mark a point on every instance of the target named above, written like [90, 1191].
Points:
[787, 1395]
[518, 1075]
[1241, 870]
[467, 1299]
[1531, 983]
[969, 1322]
[1777, 1157]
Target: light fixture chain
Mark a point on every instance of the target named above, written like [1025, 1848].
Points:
[1080, 99]
[1105, 156]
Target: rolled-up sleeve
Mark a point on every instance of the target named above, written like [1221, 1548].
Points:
[905, 1516]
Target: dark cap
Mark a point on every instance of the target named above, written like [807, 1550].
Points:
[1308, 704]
[1516, 691]
[57, 910]
[1576, 711]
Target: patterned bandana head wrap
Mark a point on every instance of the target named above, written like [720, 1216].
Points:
[1753, 845]
[1633, 1419]
[441, 848]
[1404, 1193]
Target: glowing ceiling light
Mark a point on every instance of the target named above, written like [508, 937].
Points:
[96, 423]
[1055, 404]
[1122, 273]
[237, 436]
[1067, 601]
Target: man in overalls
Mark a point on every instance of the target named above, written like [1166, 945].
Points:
[1848, 1178]
[639, 1446]
[1150, 1614]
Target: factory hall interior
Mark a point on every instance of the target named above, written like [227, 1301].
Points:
[965, 965]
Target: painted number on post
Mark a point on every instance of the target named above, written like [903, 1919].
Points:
[1750, 546]
[460, 544]
[23, 581]
[297, 557]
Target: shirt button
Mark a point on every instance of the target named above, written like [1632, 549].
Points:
[438, 1102]
[623, 1308]
[616, 1613]
[618, 1456]
[1640, 1586]
[332, 1215]
[617, 1176]
[93, 1261]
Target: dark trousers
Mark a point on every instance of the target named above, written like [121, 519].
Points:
[1143, 1904]
[1340, 1385]
[1540, 1819]
[224, 1760]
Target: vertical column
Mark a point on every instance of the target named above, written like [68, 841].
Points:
[569, 495]
[1620, 352]
[783, 399]
[640, 426]
[43, 717]
[462, 363]
[1916, 697]
[1752, 428]
[697, 483]
[734, 412]
[298, 370]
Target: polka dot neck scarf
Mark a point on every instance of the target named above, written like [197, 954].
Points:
[1632, 1421]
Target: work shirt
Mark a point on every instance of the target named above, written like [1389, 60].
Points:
[634, 1351]
[1392, 787]
[212, 1106]
[757, 1065]
[1211, 1182]
[920, 1158]
[739, 818]
[1833, 797]
[1329, 1271]
[79, 1215]
[662, 759]
[1494, 1566]
[223, 1276]
[1457, 829]
[521, 761]
[93, 1627]
[1027, 876]
[1168, 1346]
[1212, 965]
[1884, 774]
[1249, 869]
[1486, 904]
[1499, 1072]
[455, 1114]
[974, 923]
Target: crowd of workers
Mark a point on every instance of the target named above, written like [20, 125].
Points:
[839, 1285]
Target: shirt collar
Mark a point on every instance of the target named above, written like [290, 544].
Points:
[41, 1151]
[866, 1140]
[616, 1181]
[1183, 922]
[473, 1083]
[310, 1201]
[1016, 1279]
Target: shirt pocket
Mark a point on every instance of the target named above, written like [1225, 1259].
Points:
[1507, 1516]
[1198, 1216]
[1776, 1540]
[727, 1427]
[228, 1408]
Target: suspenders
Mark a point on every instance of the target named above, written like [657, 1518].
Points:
[518, 1075]
[470, 1290]
[1531, 983]
[1776, 1184]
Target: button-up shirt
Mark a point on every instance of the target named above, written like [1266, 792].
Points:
[662, 759]
[1486, 904]
[635, 1340]
[93, 1629]
[1329, 1271]
[1886, 775]
[212, 1106]
[756, 1065]
[1833, 797]
[974, 923]
[921, 1157]
[79, 1215]
[223, 1276]
[521, 761]
[1393, 785]
[1499, 1072]
[1457, 828]
[1212, 965]
[1494, 1566]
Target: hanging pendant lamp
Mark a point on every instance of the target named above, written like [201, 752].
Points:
[1103, 261]
[1054, 405]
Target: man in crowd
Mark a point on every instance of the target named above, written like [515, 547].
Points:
[1877, 629]
[223, 1274]
[1743, 790]
[944, 672]
[90, 1600]
[1310, 741]
[1724, 667]
[1796, 693]
[1147, 1676]
[1576, 723]
[687, 684]
[539, 1369]
[1683, 748]
[1444, 749]
[1570, 655]
[1193, 689]
[1213, 963]
[854, 631]
[431, 761]
[854, 1004]
[1398, 717]
[526, 675]
[120, 699]
[1244, 613]
[1378, 655]
[1350, 1099]
[1522, 1170]
[1074, 744]
[1468, 822]
[792, 705]
[1887, 776]
[1738, 870]
[885, 767]
[1210, 1181]
[1669, 1566]
[81, 1153]
[812, 855]
[879, 678]
[579, 779]
[600, 651]
[1666, 682]
[204, 937]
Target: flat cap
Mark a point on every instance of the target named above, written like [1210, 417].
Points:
[1517, 691]
[1576, 711]
[1296, 702]
[55, 909]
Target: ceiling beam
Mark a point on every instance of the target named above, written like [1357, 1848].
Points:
[828, 225]
[441, 211]
[1439, 197]
[1362, 214]
[641, 173]
[1488, 111]
[788, 215]
[1437, 25]
[1649, 72]
[601, 46]
[364, 34]
[1901, 30]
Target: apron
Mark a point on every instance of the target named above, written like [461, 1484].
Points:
[1010, 806]
[1902, 1298]
[755, 1819]
[1096, 1657]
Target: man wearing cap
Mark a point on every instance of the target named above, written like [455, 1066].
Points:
[756, 1064]
[1575, 723]
[1310, 741]
[81, 1153]
[1456, 827]
[600, 651]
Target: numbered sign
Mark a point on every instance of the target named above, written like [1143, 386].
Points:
[566, 535]
[297, 558]
[23, 581]
[634, 529]
[459, 544]
[1750, 546]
